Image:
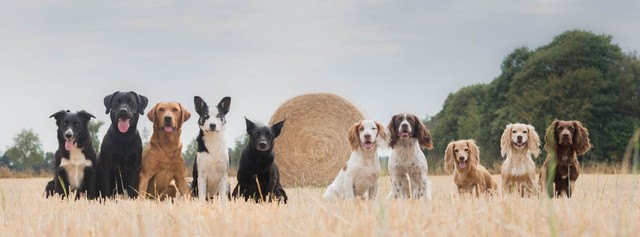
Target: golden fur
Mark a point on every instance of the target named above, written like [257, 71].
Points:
[162, 160]
[518, 170]
[473, 176]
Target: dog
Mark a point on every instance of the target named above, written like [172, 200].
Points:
[258, 175]
[359, 176]
[519, 142]
[469, 175]
[75, 158]
[211, 165]
[564, 141]
[407, 163]
[162, 160]
[121, 149]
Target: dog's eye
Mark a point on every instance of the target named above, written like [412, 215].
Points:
[466, 149]
[161, 109]
[174, 110]
[76, 124]
[571, 128]
[206, 117]
[514, 131]
[455, 151]
[219, 116]
[525, 131]
[374, 128]
[65, 124]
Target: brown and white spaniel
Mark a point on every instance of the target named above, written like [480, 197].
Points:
[519, 143]
[469, 174]
[565, 140]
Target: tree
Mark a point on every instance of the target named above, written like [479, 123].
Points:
[236, 151]
[49, 161]
[145, 134]
[94, 127]
[5, 161]
[26, 151]
[190, 153]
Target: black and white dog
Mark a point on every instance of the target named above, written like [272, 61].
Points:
[121, 149]
[75, 158]
[257, 166]
[211, 165]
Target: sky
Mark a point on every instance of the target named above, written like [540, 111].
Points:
[386, 57]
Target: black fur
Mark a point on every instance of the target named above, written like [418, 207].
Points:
[78, 123]
[257, 160]
[121, 153]
[203, 111]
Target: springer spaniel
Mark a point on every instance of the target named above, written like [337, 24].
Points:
[469, 174]
[518, 144]
[359, 177]
[407, 163]
[564, 141]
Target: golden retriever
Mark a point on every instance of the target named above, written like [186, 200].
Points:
[469, 175]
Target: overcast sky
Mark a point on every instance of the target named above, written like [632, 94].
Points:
[385, 56]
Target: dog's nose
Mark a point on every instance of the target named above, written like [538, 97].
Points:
[367, 136]
[68, 135]
[167, 119]
[212, 126]
[519, 138]
[404, 126]
[124, 111]
[462, 158]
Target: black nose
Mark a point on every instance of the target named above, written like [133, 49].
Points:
[124, 111]
[68, 135]
[212, 126]
[167, 119]
[367, 136]
[405, 126]
[462, 158]
[519, 138]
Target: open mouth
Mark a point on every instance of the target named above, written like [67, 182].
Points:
[68, 143]
[124, 124]
[169, 128]
[405, 134]
[368, 145]
[519, 144]
[462, 164]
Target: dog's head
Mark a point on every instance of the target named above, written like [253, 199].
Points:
[520, 136]
[408, 126]
[367, 134]
[262, 137]
[124, 109]
[568, 134]
[463, 155]
[168, 116]
[72, 127]
[212, 118]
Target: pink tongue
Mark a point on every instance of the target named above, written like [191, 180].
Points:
[68, 145]
[123, 125]
[368, 145]
[462, 165]
[168, 129]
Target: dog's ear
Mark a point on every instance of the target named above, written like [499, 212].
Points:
[59, 115]
[393, 132]
[199, 103]
[108, 101]
[382, 135]
[550, 138]
[142, 102]
[533, 142]
[354, 136]
[152, 113]
[86, 116]
[277, 128]
[250, 125]
[185, 115]
[423, 134]
[505, 141]
[581, 142]
[225, 105]
[448, 157]
[474, 151]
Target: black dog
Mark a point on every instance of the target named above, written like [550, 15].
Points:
[257, 160]
[121, 149]
[75, 158]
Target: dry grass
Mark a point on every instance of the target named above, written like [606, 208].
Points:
[603, 205]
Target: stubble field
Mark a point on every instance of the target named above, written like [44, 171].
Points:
[603, 205]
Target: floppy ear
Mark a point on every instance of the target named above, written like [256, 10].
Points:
[448, 157]
[59, 115]
[505, 141]
[424, 136]
[277, 128]
[185, 114]
[475, 151]
[354, 137]
[250, 125]
[393, 132]
[200, 104]
[382, 135]
[581, 143]
[224, 105]
[86, 116]
[142, 103]
[152, 113]
[107, 101]
[533, 142]
[550, 138]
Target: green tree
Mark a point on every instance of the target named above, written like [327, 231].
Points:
[49, 161]
[26, 151]
[236, 151]
[94, 127]
[190, 153]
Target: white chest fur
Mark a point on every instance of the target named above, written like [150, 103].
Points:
[74, 166]
[213, 165]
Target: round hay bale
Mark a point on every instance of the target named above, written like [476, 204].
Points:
[313, 145]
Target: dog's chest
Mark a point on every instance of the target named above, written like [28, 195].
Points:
[215, 162]
[407, 161]
[74, 165]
